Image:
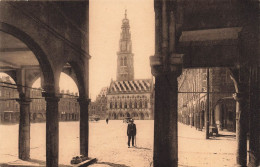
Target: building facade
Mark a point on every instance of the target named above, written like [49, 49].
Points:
[68, 106]
[127, 96]
[98, 108]
[132, 98]
[10, 108]
[192, 98]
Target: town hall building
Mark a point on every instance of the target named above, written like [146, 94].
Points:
[127, 96]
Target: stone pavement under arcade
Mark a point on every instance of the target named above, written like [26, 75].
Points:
[188, 34]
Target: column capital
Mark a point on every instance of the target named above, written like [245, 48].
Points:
[51, 97]
[238, 96]
[84, 100]
[24, 100]
[161, 65]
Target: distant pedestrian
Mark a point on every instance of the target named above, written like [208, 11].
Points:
[107, 120]
[131, 132]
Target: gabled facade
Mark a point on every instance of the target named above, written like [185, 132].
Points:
[130, 99]
[99, 106]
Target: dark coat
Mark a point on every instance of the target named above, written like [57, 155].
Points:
[131, 130]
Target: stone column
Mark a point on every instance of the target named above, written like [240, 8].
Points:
[201, 120]
[24, 128]
[254, 119]
[52, 129]
[241, 130]
[165, 121]
[84, 125]
[165, 111]
[208, 107]
[198, 120]
[166, 67]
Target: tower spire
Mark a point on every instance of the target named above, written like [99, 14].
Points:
[125, 68]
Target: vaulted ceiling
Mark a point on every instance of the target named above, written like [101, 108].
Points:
[14, 54]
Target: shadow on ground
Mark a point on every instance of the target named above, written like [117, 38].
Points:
[112, 164]
[223, 137]
[43, 163]
[35, 163]
[227, 136]
[143, 148]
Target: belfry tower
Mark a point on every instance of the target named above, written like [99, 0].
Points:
[125, 57]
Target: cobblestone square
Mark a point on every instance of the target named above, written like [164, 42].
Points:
[108, 143]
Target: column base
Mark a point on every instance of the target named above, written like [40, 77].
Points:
[237, 165]
[87, 162]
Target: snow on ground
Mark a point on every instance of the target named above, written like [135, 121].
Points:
[108, 143]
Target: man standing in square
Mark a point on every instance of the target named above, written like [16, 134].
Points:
[131, 132]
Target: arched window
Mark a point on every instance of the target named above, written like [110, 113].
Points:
[140, 104]
[111, 105]
[121, 61]
[135, 104]
[125, 105]
[130, 104]
[125, 61]
[145, 104]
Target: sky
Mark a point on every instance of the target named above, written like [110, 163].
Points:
[104, 35]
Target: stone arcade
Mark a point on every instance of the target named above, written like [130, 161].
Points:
[43, 39]
[188, 34]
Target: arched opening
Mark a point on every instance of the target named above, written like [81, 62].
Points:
[25, 60]
[130, 104]
[127, 114]
[147, 115]
[111, 105]
[68, 105]
[121, 62]
[146, 104]
[120, 115]
[125, 61]
[225, 114]
[140, 104]
[135, 105]
[141, 116]
[120, 105]
[114, 116]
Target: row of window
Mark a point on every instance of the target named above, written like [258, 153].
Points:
[128, 115]
[129, 105]
[8, 93]
[131, 97]
[102, 108]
